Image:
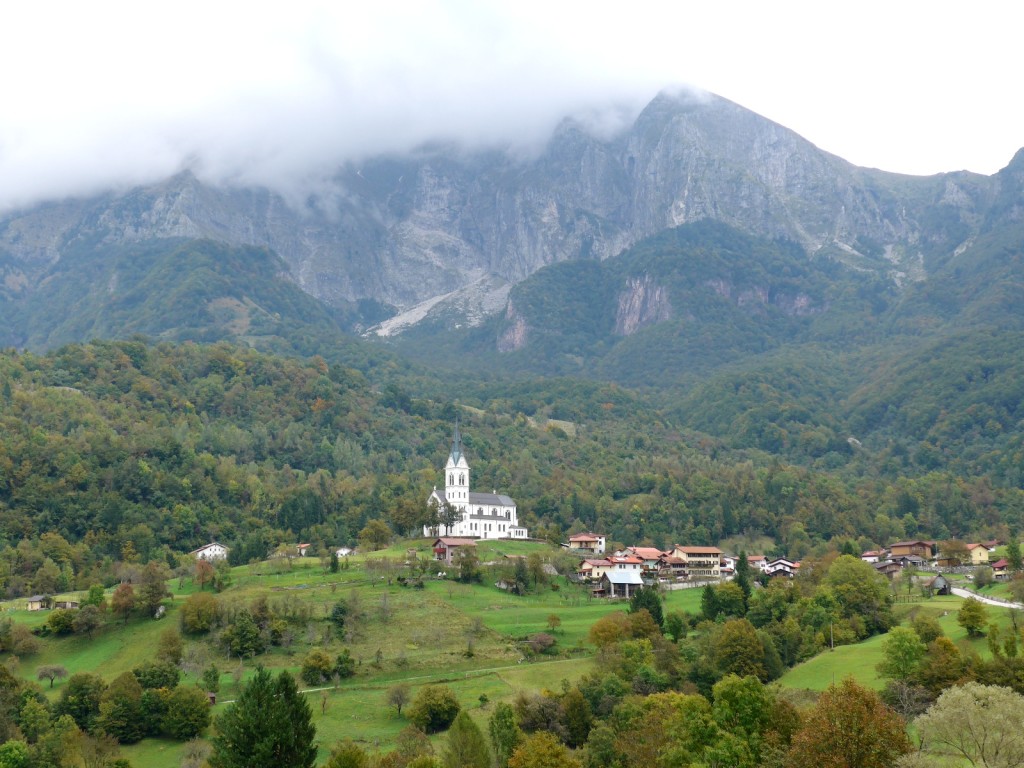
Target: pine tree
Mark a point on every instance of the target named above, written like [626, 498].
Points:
[466, 746]
[743, 577]
[270, 724]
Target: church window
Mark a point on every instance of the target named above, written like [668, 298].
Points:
[462, 479]
[451, 479]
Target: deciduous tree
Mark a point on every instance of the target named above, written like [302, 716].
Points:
[902, 651]
[434, 708]
[398, 696]
[849, 727]
[983, 724]
[972, 616]
[51, 672]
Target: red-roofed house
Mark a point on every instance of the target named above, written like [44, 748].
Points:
[587, 543]
[1001, 570]
[592, 569]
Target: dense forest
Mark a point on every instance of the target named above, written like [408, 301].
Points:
[161, 448]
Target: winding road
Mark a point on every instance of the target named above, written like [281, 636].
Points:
[986, 600]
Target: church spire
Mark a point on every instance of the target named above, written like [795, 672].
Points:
[456, 443]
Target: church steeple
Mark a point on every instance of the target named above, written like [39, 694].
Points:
[457, 471]
[456, 443]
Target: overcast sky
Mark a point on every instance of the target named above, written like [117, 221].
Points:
[106, 94]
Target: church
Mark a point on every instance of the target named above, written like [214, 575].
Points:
[480, 515]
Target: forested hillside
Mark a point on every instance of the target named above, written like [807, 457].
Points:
[169, 446]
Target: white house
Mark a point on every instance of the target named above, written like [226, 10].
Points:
[480, 515]
[343, 551]
[212, 551]
[782, 567]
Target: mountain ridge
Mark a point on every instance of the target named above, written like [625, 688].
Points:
[400, 230]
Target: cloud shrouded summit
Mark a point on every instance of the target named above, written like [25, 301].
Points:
[98, 97]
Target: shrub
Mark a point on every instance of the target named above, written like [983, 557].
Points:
[434, 708]
[199, 613]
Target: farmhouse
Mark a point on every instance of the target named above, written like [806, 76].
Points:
[211, 551]
[919, 548]
[446, 547]
[587, 543]
[480, 515]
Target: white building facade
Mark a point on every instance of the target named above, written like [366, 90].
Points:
[480, 515]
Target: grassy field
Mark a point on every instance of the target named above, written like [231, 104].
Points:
[470, 637]
[860, 660]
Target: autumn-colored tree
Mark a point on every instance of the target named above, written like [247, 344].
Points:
[170, 646]
[849, 727]
[609, 629]
[542, 750]
[204, 572]
[941, 667]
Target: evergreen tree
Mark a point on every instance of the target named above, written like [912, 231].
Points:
[270, 724]
[647, 597]
[504, 732]
[743, 578]
[466, 746]
[709, 603]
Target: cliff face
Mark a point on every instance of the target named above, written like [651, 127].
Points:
[642, 303]
[404, 230]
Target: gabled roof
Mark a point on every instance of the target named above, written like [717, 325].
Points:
[975, 546]
[755, 558]
[646, 553]
[626, 559]
[909, 544]
[698, 550]
[450, 541]
[585, 537]
[1001, 563]
[207, 546]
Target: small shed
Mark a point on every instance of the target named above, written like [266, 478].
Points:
[621, 583]
[37, 602]
[939, 586]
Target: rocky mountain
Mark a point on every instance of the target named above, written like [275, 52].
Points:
[448, 229]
